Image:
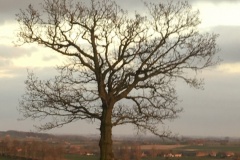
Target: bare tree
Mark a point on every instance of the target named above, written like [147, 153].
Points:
[122, 67]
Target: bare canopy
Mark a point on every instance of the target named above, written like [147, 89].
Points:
[122, 67]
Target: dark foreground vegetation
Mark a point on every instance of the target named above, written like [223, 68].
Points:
[30, 146]
[156, 158]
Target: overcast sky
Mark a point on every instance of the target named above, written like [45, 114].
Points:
[214, 111]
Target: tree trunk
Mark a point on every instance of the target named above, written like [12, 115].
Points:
[105, 142]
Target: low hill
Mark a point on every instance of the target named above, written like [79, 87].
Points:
[21, 135]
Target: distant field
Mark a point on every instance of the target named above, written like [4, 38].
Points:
[161, 147]
[177, 148]
[219, 148]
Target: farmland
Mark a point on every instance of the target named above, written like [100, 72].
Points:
[70, 147]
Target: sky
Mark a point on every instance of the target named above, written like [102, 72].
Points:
[213, 111]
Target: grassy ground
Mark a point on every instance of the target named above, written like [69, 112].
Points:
[3, 158]
[218, 148]
[68, 157]
[6, 158]
[77, 157]
[186, 158]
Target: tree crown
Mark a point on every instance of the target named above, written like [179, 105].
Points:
[127, 62]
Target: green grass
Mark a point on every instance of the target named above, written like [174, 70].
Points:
[79, 157]
[68, 157]
[187, 158]
[218, 148]
[5, 158]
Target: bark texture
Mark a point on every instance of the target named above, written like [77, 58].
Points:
[105, 142]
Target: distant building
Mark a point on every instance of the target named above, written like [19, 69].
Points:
[213, 154]
[170, 155]
[202, 154]
[230, 154]
[178, 155]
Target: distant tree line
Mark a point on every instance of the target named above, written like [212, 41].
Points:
[22, 135]
[30, 149]
[135, 152]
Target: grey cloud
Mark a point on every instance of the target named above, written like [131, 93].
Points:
[207, 111]
[9, 8]
[7, 53]
[229, 43]
[11, 90]
[14, 52]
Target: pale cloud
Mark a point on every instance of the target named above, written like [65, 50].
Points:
[8, 33]
[218, 14]
[230, 68]
[9, 8]
[228, 42]
[5, 62]
[6, 74]
[15, 52]
[43, 57]
[8, 56]
[50, 58]
[215, 1]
